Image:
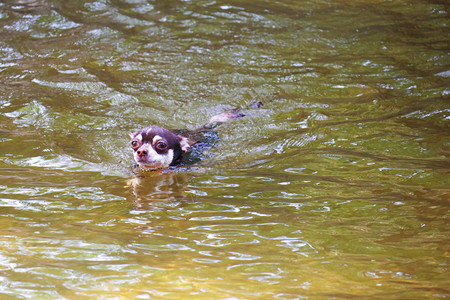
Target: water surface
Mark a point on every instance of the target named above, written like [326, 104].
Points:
[336, 188]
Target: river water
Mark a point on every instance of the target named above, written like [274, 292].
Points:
[338, 187]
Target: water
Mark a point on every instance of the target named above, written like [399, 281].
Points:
[336, 188]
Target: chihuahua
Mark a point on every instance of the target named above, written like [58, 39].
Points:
[156, 148]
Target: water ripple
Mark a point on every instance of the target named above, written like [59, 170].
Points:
[337, 187]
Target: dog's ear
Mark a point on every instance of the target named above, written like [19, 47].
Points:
[186, 143]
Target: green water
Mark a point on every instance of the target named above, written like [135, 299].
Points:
[338, 187]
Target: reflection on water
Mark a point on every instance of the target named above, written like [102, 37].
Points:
[336, 188]
[158, 186]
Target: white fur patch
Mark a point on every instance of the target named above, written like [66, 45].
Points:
[156, 137]
[155, 160]
[139, 137]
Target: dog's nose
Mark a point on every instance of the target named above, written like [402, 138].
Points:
[141, 153]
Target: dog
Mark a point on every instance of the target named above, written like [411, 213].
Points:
[156, 148]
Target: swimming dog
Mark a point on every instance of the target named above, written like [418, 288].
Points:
[156, 147]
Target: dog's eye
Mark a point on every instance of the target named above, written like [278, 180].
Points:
[134, 144]
[161, 146]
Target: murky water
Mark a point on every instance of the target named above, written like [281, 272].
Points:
[336, 188]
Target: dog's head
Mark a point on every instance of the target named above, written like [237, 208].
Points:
[157, 148]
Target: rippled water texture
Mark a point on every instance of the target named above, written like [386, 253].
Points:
[336, 188]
